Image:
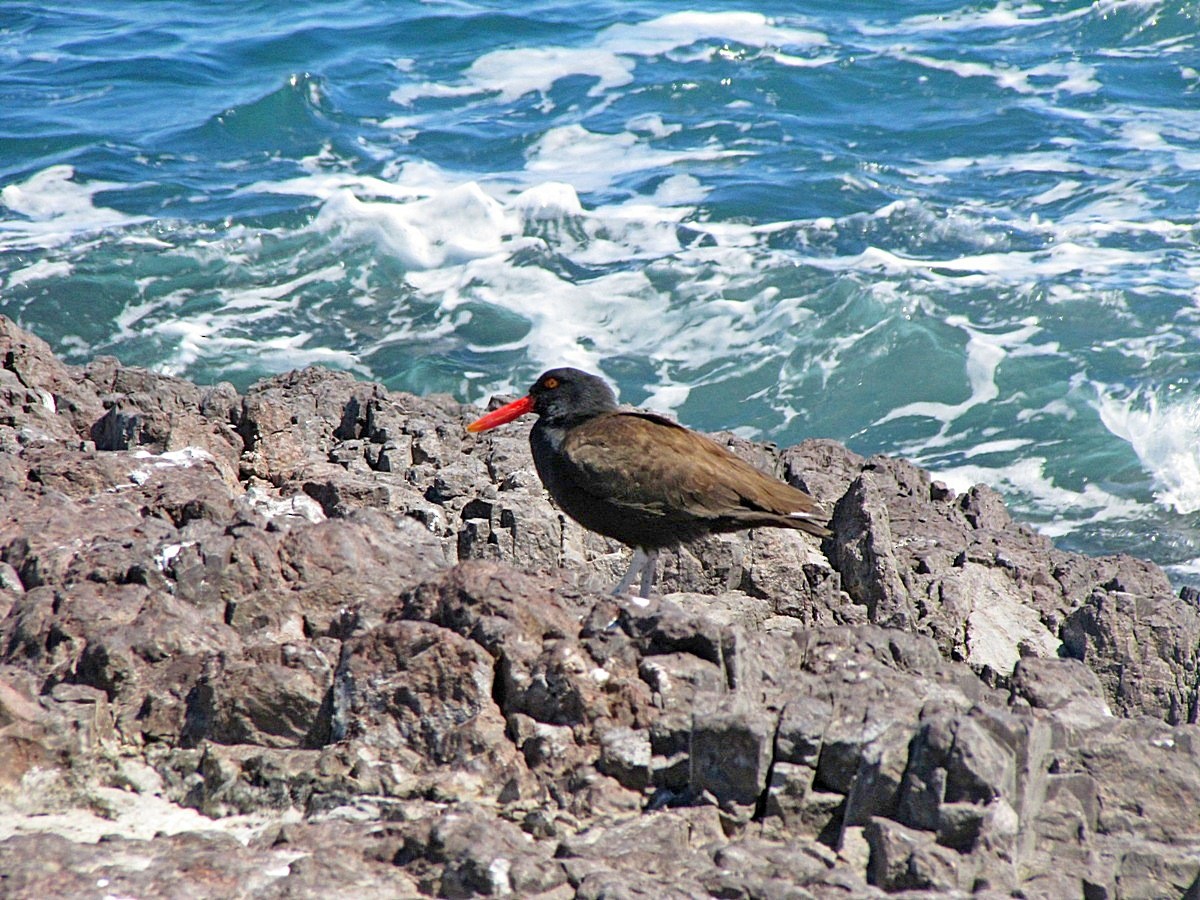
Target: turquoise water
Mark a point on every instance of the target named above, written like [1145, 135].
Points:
[961, 233]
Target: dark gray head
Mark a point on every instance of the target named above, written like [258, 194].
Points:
[563, 396]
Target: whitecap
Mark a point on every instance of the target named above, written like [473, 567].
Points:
[516, 72]
[445, 227]
[52, 208]
[549, 200]
[653, 125]
[1003, 15]
[591, 161]
[672, 31]
[38, 271]
[610, 58]
[1164, 432]
[1056, 510]
[1070, 77]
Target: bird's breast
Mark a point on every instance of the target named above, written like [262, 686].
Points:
[546, 444]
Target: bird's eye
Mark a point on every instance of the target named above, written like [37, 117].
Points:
[550, 383]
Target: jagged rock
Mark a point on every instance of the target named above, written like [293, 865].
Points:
[906, 859]
[1065, 686]
[625, 754]
[41, 398]
[1145, 650]
[161, 415]
[732, 745]
[665, 846]
[467, 852]
[325, 605]
[273, 696]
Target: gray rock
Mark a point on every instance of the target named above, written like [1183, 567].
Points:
[732, 746]
[1064, 686]
[1145, 650]
[625, 754]
[368, 648]
[906, 859]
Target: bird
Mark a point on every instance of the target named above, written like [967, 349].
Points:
[641, 478]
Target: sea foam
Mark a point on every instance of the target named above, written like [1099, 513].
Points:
[1165, 435]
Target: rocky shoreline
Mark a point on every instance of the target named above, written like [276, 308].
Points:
[315, 640]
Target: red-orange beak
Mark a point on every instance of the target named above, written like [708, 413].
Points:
[503, 415]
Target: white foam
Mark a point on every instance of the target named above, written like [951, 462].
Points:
[39, 271]
[446, 227]
[620, 308]
[205, 338]
[514, 73]
[549, 200]
[682, 29]
[53, 208]
[218, 331]
[1003, 15]
[591, 161]
[401, 180]
[465, 240]
[668, 396]
[1063, 190]
[1031, 491]
[1060, 408]
[679, 189]
[1004, 445]
[1142, 136]
[803, 62]
[995, 268]
[407, 93]
[653, 125]
[1069, 77]
[610, 58]
[1188, 568]
[1165, 435]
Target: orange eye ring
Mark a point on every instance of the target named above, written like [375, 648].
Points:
[550, 383]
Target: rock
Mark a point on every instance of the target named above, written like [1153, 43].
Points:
[317, 636]
[732, 745]
[419, 692]
[273, 696]
[34, 739]
[905, 859]
[625, 754]
[468, 853]
[1065, 686]
[661, 848]
[41, 398]
[162, 416]
[1145, 650]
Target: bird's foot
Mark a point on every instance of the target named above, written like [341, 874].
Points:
[643, 564]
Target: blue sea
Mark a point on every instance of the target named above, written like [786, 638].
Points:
[965, 233]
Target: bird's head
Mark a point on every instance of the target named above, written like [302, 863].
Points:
[560, 396]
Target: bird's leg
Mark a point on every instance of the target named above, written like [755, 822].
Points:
[637, 565]
[649, 570]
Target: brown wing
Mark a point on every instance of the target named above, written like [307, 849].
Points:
[652, 465]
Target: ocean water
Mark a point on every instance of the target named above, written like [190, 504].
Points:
[964, 233]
